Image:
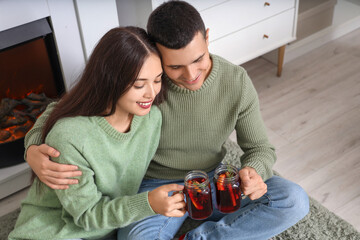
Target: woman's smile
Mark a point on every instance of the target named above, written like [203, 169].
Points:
[145, 105]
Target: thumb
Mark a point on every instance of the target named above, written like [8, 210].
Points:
[47, 150]
[173, 187]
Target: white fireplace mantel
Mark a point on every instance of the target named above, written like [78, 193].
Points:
[77, 25]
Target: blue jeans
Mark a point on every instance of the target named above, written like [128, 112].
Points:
[284, 204]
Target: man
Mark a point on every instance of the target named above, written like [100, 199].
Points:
[208, 98]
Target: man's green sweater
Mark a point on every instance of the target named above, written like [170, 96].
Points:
[113, 165]
[197, 123]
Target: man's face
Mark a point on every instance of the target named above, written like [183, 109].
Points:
[188, 67]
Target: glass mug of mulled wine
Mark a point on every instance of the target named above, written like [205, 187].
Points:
[198, 195]
[227, 186]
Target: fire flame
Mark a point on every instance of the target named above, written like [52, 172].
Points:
[22, 116]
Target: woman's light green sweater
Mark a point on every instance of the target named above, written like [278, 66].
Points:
[113, 165]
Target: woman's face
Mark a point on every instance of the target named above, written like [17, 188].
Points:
[139, 98]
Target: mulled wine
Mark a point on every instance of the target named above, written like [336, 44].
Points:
[227, 185]
[198, 195]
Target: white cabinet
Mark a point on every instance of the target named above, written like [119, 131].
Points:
[251, 42]
[241, 30]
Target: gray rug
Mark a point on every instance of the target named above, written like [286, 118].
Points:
[319, 224]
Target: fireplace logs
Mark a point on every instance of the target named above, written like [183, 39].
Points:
[18, 115]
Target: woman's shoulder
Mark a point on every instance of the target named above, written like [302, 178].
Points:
[72, 126]
[78, 122]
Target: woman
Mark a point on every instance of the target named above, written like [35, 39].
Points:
[107, 126]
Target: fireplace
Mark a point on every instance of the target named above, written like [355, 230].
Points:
[76, 31]
[30, 78]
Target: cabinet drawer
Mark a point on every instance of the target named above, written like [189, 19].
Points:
[231, 16]
[227, 16]
[252, 42]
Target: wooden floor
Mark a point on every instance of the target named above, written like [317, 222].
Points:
[312, 114]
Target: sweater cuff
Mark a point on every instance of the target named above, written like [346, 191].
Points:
[259, 167]
[139, 205]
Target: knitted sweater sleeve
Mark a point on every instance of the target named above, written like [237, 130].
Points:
[33, 137]
[251, 133]
[88, 207]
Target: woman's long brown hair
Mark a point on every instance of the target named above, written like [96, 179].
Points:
[111, 70]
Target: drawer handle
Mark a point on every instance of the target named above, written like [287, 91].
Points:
[266, 4]
[265, 36]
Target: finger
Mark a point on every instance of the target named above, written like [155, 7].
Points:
[45, 149]
[247, 184]
[55, 186]
[247, 192]
[179, 197]
[256, 195]
[57, 167]
[179, 206]
[57, 174]
[62, 181]
[64, 175]
[176, 206]
[176, 192]
[176, 213]
[253, 187]
[172, 187]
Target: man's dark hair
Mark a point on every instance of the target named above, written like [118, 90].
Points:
[174, 24]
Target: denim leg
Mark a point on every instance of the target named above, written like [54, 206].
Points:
[284, 204]
[154, 227]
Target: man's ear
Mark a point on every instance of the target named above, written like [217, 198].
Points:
[207, 36]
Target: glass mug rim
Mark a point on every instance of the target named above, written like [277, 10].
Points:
[196, 173]
[227, 166]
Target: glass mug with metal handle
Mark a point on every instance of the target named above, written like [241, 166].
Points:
[198, 195]
[227, 187]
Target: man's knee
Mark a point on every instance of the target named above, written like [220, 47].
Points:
[292, 197]
[300, 199]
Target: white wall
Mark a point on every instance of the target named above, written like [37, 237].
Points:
[15, 13]
[134, 12]
[67, 38]
[95, 19]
